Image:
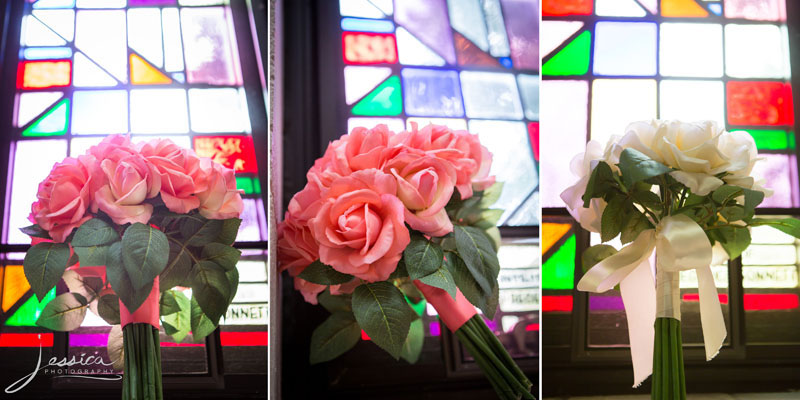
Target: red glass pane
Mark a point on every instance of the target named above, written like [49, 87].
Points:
[369, 48]
[231, 151]
[567, 7]
[44, 74]
[556, 303]
[244, 338]
[26, 340]
[533, 132]
[470, 54]
[760, 103]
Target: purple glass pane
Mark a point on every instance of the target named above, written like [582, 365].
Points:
[780, 173]
[432, 93]
[428, 21]
[209, 47]
[605, 303]
[762, 10]
[151, 2]
[522, 25]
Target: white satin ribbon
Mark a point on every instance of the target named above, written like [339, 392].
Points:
[680, 244]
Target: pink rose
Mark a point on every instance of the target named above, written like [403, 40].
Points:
[360, 225]
[297, 247]
[309, 290]
[64, 197]
[424, 185]
[221, 200]
[115, 147]
[129, 181]
[479, 177]
[183, 174]
[305, 203]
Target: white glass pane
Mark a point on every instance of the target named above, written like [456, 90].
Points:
[88, 74]
[358, 81]
[466, 17]
[359, 8]
[35, 33]
[81, 145]
[563, 122]
[625, 48]
[62, 22]
[498, 39]
[101, 3]
[619, 8]
[144, 34]
[184, 141]
[159, 111]
[394, 124]
[769, 235]
[251, 293]
[252, 271]
[618, 102]
[452, 123]
[490, 95]
[32, 104]
[413, 52]
[33, 160]
[689, 49]
[100, 112]
[553, 33]
[101, 35]
[217, 110]
[692, 100]
[755, 51]
[768, 277]
[761, 254]
[173, 50]
[250, 229]
[529, 91]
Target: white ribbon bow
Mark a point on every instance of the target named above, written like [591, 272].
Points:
[680, 244]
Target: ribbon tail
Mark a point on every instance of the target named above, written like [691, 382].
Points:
[608, 273]
[714, 331]
[639, 296]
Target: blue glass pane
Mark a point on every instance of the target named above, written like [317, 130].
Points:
[46, 53]
[54, 4]
[529, 91]
[432, 93]
[367, 25]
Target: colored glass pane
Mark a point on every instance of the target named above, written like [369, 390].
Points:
[466, 17]
[386, 99]
[554, 33]
[100, 3]
[29, 311]
[682, 8]
[618, 102]
[51, 123]
[772, 139]
[759, 103]
[209, 49]
[469, 54]
[780, 173]
[573, 59]
[533, 132]
[367, 25]
[567, 7]
[557, 303]
[358, 81]
[428, 21]
[552, 233]
[158, 111]
[234, 152]
[689, 49]
[15, 285]
[490, 95]
[44, 74]
[151, 2]
[558, 271]
[252, 221]
[522, 25]
[218, 110]
[625, 48]
[245, 183]
[435, 93]
[46, 53]
[142, 73]
[762, 10]
[369, 48]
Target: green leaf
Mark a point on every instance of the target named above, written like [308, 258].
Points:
[338, 334]
[108, 308]
[635, 223]
[178, 324]
[382, 312]
[442, 279]
[491, 195]
[485, 300]
[725, 193]
[733, 240]
[752, 198]
[168, 304]
[789, 226]
[199, 231]
[64, 313]
[222, 254]
[733, 213]
[478, 254]
[120, 281]
[612, 219]
[43, 265]
[322, 274]
[92, 256]
[233, 282]
[635, 166]
[35, 231]
[336, 303]
[400, 271]
[648, 199]
[488, 218]
[94, 232]
[211, 288]
[422, 257]
[229, 230]
[412, 347]
[89, 287]
[202, 326]
[145, 252]
[178, 269]
[600, 182]
[595, 254]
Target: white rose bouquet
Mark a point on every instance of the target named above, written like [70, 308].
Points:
[685, 191]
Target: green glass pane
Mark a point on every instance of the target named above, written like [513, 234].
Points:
[558, 272]
[572, 59]
[771, 139]
[52, 123]
[245, 183]
[791, 140]
[419, 308]
[28, 313]
[256, 186]
[386, 99]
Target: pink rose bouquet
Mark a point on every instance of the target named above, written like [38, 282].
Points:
[127, 228]
[390, 219]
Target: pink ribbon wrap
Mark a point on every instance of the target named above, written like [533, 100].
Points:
[147, 313]
[453, 312]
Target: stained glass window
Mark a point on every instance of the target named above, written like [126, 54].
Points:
[465, 64]
[150, 69]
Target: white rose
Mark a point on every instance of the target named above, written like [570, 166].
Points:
[582, 166]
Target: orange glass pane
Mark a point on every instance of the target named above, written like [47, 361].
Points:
[682, 8]
[567, 7]
[470, 54]
[14, 285]
[231, 151]
[44, 74]
[551, 232]
[142, 73]
[759, 103]
[369, 48]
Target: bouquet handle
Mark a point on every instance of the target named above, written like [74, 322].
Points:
[141, 379]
